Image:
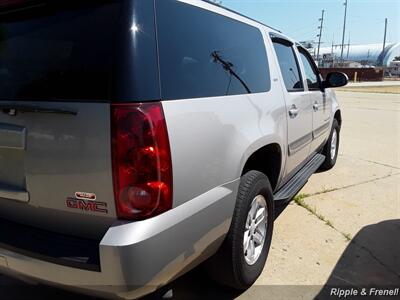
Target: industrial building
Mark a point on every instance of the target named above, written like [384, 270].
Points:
[366, 55]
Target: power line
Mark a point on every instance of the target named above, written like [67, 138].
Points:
[303, 28]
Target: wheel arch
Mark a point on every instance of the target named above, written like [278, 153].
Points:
[338, 117]
[268, 160]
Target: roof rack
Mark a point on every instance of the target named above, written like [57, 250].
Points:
[242, 15]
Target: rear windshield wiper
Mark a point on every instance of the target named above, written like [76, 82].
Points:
[13, 109]
[228, 66]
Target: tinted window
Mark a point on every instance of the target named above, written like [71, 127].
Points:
[289, 67]
[79, 50]
[310, 73]
[46, 54]
[203, 54]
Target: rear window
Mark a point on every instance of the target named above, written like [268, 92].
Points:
[58, 52]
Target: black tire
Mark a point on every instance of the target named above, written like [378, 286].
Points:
[330, 161]
[228, 266]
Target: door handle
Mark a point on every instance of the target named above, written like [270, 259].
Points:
[315, 106]
[293, 111]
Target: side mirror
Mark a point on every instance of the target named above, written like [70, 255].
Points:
[335, 79]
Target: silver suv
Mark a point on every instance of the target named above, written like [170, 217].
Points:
[140, 138]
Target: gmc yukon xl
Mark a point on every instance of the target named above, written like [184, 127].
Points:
[140, 138]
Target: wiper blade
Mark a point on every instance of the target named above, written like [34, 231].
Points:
[12, 109]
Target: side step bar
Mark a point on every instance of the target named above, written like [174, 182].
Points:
[294, 185]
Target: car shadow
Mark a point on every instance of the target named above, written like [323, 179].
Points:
[371, 260]
[14, 289]
[197, 285]
[194, 285]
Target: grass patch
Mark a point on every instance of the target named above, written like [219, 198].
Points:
[302, 196]
[347, 236]
[325, 190]
[299, 197]
[299, 200]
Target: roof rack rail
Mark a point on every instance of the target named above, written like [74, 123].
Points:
[242, 15]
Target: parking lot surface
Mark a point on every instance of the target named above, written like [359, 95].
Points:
[343, 228]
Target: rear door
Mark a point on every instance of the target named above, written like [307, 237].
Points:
[298, 105]
[55, 158]
[322, 105]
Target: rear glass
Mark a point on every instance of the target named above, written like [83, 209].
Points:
[58, 52]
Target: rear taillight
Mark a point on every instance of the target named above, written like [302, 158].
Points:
[12, 3]
[142, 168]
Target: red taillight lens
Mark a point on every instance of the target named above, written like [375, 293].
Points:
[142, 168]
[11, 3]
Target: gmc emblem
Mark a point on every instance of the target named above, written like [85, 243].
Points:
[87, 205]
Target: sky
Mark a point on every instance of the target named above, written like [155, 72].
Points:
[299, 18]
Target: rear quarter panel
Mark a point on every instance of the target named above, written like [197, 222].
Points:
[212, 138]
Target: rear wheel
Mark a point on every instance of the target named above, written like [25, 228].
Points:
[242, 256]
[331, 148]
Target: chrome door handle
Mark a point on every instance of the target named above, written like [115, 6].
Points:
[293, 111]
[315, 106]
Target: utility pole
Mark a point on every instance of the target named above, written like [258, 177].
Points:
[344, 29]
[384, 46]
[333, 59]
[320, 33]
[348, 48]
[384, 36]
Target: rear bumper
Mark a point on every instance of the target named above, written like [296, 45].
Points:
[136, 258]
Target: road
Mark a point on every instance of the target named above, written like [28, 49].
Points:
[374, 83]
[359, 200]
[344, 228]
